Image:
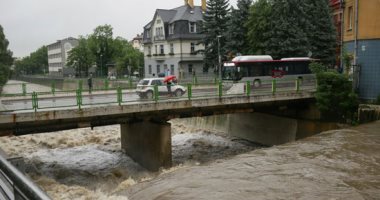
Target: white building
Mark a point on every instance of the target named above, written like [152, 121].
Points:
[57, 56]
[172, 41]
[137, 42]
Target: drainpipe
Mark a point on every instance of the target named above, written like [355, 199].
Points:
[356, 30]
[356, 69]
[341, 34]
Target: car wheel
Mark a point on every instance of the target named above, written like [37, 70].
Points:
[149, 95]
[178, 93]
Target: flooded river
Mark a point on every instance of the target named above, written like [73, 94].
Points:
[89, 164]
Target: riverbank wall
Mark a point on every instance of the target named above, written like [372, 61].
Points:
[368, 113]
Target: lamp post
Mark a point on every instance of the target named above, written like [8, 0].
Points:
[101, 65]
[219, 58]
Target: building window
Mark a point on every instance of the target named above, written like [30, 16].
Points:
[162, 49]
[171, 29]
[192, 47]
[158, 69]
[172, 69]
[193, 27]
[190, 68]
[150, 69]
[159, 31]
[158, 21]
[148, 34]
[172, 48]
[149, 50]
[350, 17]
[155, 49]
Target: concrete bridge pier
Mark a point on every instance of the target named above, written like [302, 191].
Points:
[263, 128]
[148, 143]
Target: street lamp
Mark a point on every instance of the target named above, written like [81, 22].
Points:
[219, 58]
[101, 65]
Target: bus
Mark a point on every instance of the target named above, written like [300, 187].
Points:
[261, 69]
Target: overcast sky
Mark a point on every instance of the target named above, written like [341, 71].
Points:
[29, 24]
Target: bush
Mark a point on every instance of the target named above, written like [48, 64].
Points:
[317, 67]
[378, 100]
[335, 98]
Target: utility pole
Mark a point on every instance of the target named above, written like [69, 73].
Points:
[219, 58]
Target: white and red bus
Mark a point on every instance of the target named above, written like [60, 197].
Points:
[259, 69]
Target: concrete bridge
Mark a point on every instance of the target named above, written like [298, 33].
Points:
[145, 131]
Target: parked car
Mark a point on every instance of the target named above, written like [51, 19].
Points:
[145, 88]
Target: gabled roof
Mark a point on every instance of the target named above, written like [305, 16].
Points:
[187, 13]
[184, 12]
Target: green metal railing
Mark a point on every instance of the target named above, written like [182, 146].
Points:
[194, 91]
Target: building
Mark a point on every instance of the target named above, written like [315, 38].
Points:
[361, 37]
[57, 56]
[172, 41]
[137, 42]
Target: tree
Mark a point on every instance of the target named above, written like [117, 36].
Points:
[236, 34]
[214, 25]
[286, 35]
[334, 96]
[101, 45]
[128, 59]
[6, 59]
[35, 63]
[321, 31]
[81, 57]
[258, 27]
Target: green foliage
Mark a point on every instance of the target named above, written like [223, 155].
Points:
[6, 59]
[347, 61]
[292, 28]
[258, 24]
[317, 67]
[320, 31]
[215, 24]
[334, 96]
[101, 45]
[378, 100]
[81, 58]
[35, 63]
[286, 34]
[236, 33]
[128, 59]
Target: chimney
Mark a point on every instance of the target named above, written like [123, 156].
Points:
[204, 5]
[191, 3]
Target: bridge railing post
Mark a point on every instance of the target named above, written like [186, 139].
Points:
[80, 85]
[106, 84]
[35, 101]
[155, 93]
[297, 84]
[274, 85]
[119, 96]
[248, 88]
[130, 83]
[23, 87]
[79, 98]
[53, 88]
[189, 91]
[220, 89]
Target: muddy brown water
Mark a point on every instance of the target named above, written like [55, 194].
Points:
[337, 164]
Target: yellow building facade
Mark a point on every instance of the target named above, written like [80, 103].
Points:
[361, 38]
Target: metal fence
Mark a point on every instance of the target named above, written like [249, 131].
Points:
[126, 94]
[16, 186]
